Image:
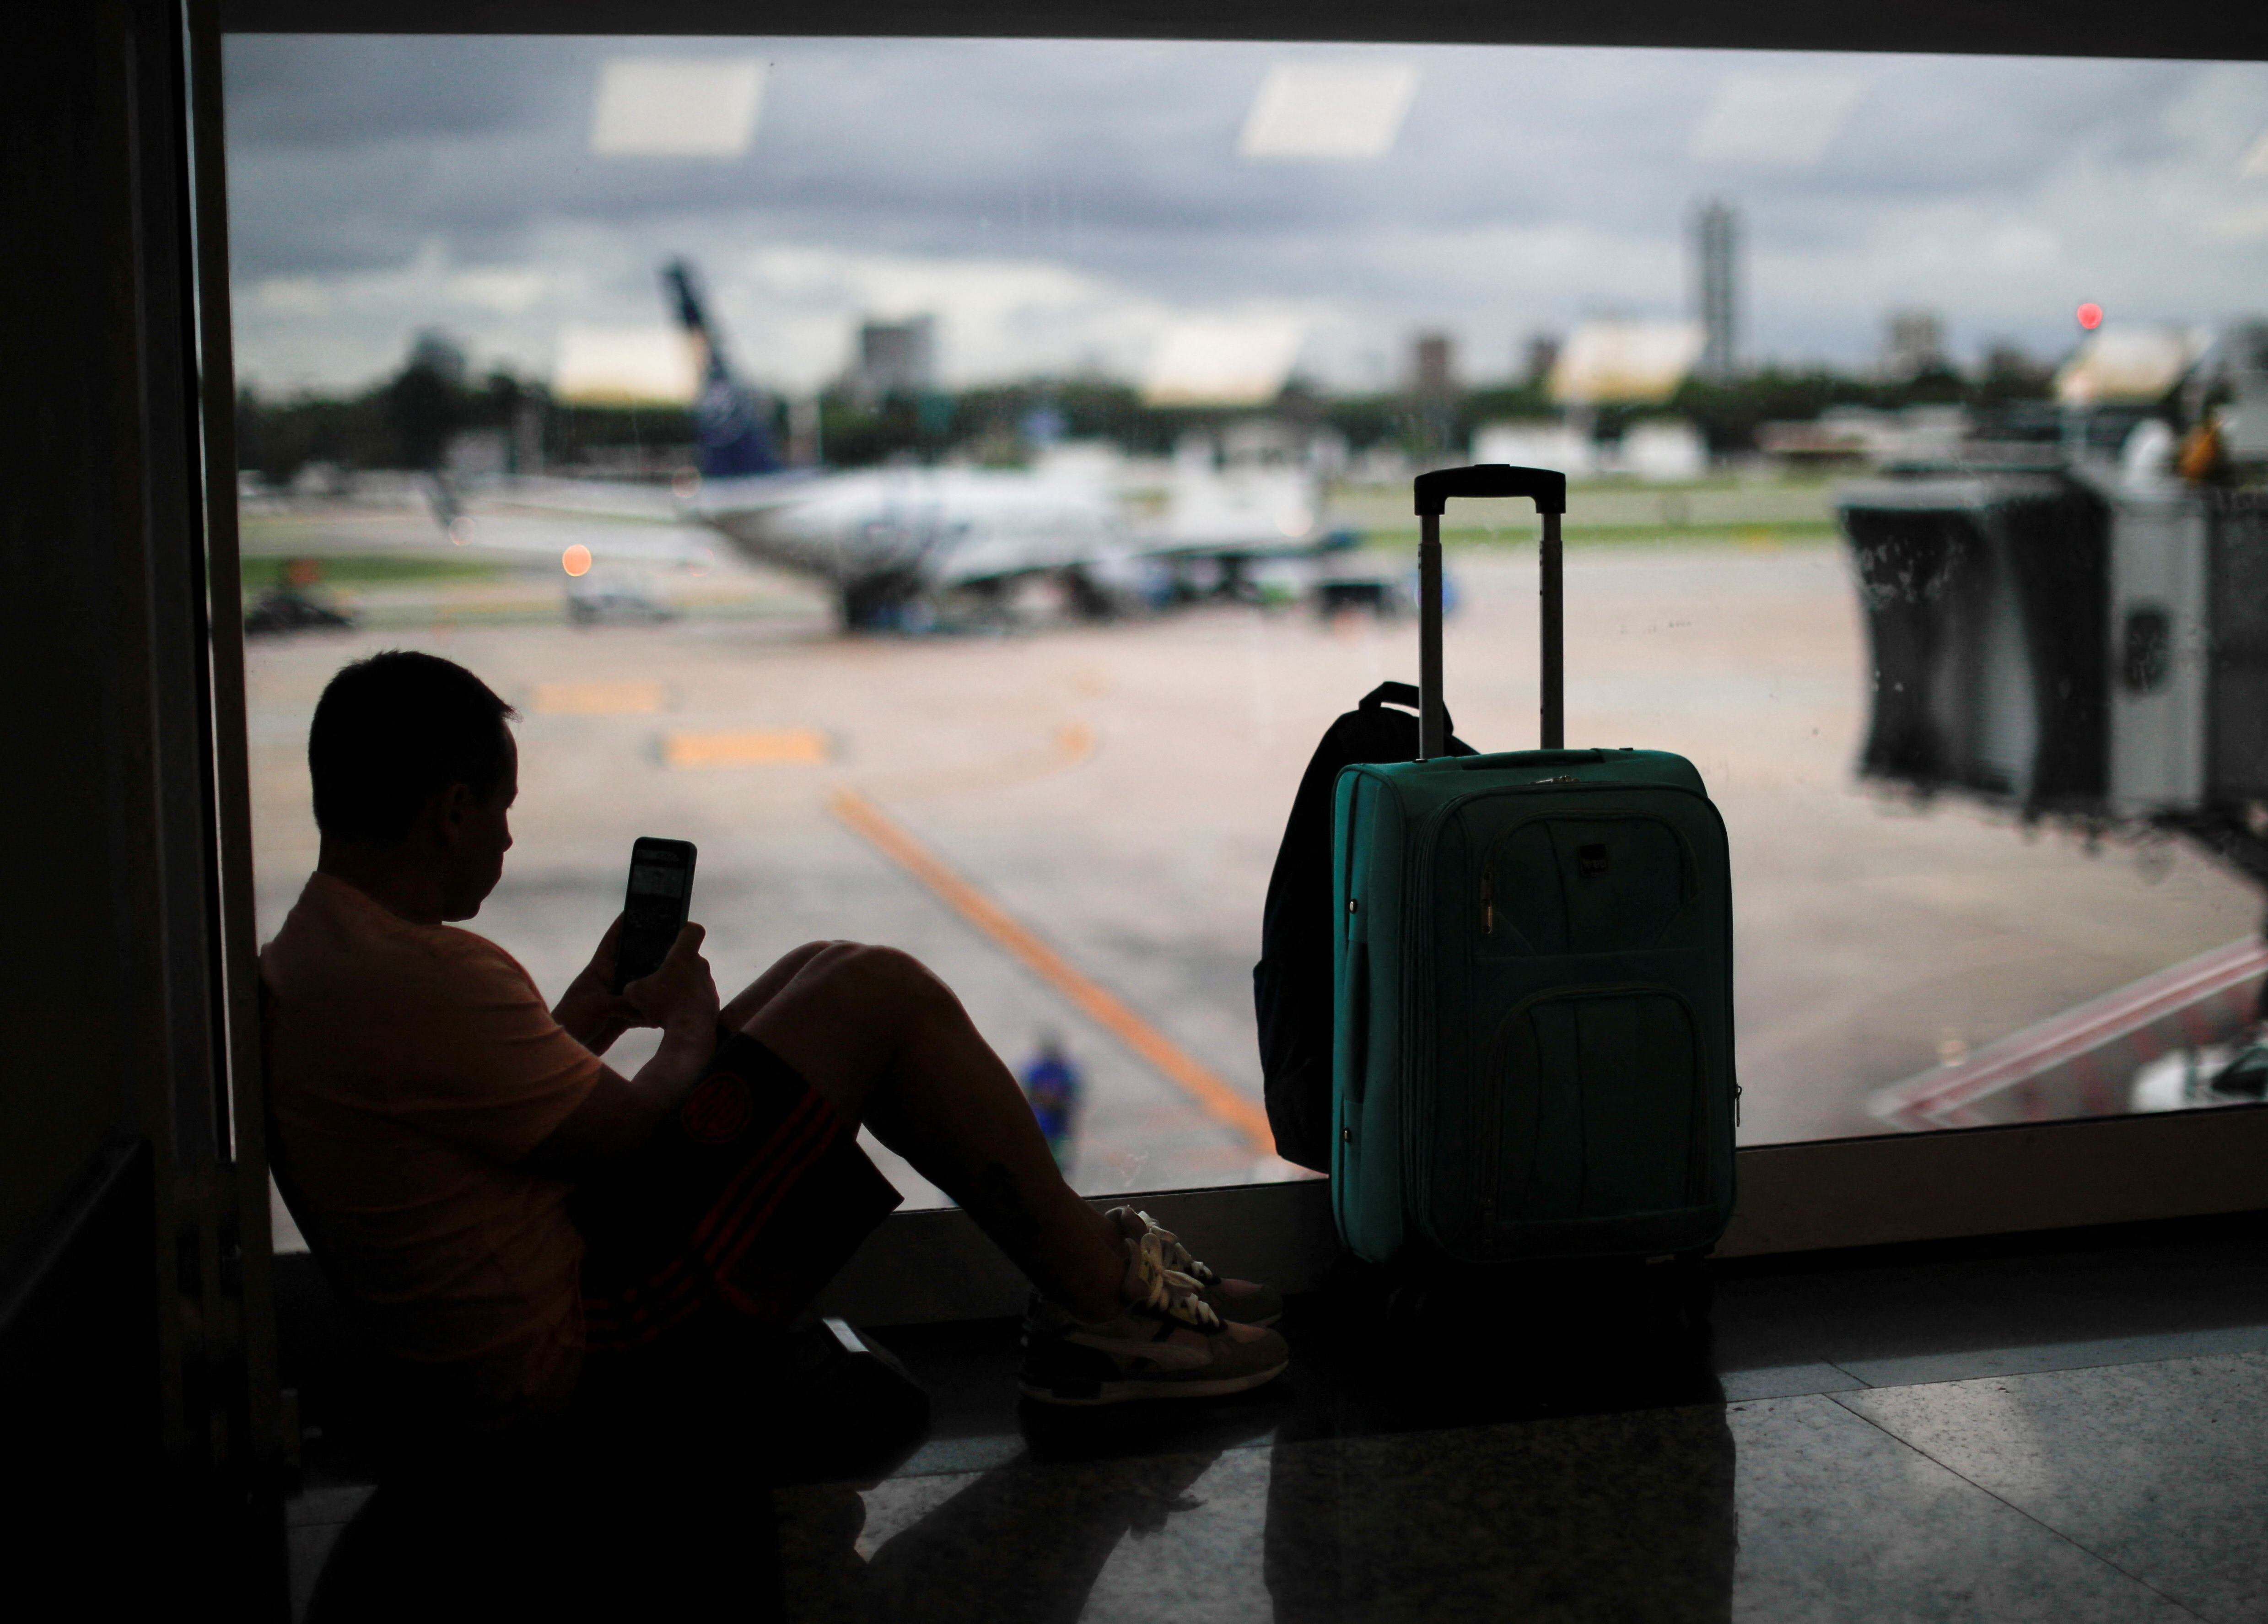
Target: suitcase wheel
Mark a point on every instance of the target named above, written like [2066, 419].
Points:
[1684, 1293]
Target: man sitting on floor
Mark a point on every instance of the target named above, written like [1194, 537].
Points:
[529, 1226]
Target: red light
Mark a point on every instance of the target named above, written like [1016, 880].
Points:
[2090, 315]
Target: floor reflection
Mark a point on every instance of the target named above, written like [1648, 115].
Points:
[2058, 1437]
[1622, 1516]
[1387, 1478]
[1596, 1518]
[1049, 1536]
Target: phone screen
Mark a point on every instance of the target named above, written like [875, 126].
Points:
[654, 909]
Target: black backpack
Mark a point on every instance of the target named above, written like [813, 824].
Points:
[1292, 983]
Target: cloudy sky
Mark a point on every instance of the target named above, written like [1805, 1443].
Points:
[1061, 206]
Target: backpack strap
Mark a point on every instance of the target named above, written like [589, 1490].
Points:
[1405, 695]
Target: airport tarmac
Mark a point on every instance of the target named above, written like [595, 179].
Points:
[1074, 824]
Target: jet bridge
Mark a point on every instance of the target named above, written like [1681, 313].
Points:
[1986, 593]
[2072, 641]
[2051, 639]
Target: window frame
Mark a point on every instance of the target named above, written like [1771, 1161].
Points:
[1823, 1195]
[933, 1265]
[2187, 30]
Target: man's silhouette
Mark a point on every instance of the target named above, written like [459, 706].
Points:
[526, 1224]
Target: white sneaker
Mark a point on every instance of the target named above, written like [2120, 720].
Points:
[1170, 1343]
[1246, 1301]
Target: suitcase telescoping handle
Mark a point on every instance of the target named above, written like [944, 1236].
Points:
[1548, 491]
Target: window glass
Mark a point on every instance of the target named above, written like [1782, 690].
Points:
[955, 484]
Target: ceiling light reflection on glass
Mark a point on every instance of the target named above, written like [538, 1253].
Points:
[669, 107]
[1624, 363]
[623, 367]
[1328, 109]
[1210, 362]
[2134, 364]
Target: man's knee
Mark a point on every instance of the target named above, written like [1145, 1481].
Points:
[797, 960]
[881, 980]
[848, 996]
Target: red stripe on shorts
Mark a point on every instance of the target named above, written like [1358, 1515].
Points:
[641, 1311]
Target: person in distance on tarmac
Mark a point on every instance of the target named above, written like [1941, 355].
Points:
[526, 1225]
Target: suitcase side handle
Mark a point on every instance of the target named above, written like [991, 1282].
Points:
[1535, 758]
[1549, 491]
[1547, 487]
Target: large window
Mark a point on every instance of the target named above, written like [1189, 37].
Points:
[956, 484]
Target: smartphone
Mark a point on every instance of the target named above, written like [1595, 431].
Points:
[654, 911]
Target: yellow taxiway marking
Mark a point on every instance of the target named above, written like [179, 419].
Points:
[1216, 1096]
[1073, 743]
[598, 699]
[777, 747]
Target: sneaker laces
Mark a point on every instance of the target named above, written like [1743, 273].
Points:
[1168, 1291]
[1177, 1256]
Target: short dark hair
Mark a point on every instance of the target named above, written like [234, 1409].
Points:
[391, 730]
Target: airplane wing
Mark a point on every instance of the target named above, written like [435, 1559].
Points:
[614, 517]
[882, 536]
[584, 498]
[613, 523]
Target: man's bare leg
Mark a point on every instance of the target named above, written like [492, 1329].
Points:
[735, 1016]
[887, 1044]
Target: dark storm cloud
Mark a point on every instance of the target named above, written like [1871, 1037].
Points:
[355, 155]
[480, 136]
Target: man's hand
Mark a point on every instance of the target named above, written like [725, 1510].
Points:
[680, 997]
[593, 1013]
[619, 1114]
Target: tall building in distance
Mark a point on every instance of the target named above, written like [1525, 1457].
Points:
[1539, 353]
[1433, 391]
[1717, 287]
[896, 358]
[1915, 344]
[1433, 365]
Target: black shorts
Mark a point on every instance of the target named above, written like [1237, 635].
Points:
[748, 1199]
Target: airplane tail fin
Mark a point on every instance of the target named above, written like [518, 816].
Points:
[728, 419]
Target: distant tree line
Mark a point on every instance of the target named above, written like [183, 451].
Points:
[1728, 414]
[409, 420]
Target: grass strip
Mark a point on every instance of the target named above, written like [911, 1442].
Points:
[262, 570]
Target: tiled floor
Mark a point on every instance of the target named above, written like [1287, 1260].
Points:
[2127, 1492]
[1856, 1448]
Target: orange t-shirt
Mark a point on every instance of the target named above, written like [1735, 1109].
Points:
[410, 1068]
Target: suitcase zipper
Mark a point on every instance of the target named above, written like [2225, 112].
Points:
[1417, 1056]
[1691, 887]
[1416, 999]
[1417, 987]
[1492, 1162]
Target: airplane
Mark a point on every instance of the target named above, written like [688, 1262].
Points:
[889, 539]
[889, 542]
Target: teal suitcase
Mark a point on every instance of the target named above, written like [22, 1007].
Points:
[1533, 981]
